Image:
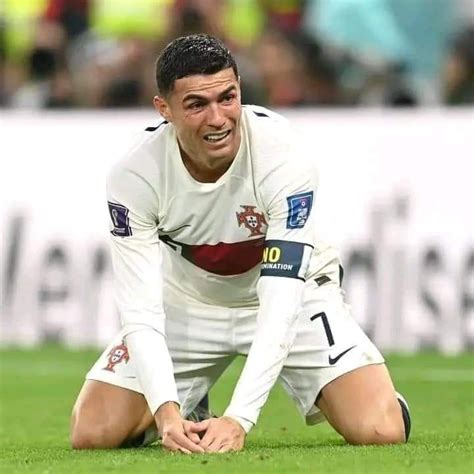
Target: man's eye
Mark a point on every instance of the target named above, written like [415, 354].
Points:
[228, 98]
[195, 105]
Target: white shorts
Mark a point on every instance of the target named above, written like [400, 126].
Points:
[203, 340]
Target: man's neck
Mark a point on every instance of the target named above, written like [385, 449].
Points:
[204, 170]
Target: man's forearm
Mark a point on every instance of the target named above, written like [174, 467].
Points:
[273, 339]
[154, 367]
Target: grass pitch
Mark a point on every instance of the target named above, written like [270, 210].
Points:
[38, 388]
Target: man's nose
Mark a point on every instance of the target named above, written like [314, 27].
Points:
[216, 117]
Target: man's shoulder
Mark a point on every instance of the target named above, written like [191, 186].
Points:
[266, 127]
[259, 116]
[272, 139]
[134, 179]
[151, 142]
[147, 151]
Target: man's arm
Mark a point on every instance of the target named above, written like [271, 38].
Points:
[138, 288]
[289, 190]
[272, 341]
[280, 299]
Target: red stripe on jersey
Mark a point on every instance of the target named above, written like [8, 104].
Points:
[228, 259]
[222, 258]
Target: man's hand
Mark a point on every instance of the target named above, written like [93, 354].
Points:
[222, 435]
[176, 433]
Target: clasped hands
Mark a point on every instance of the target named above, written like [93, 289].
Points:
[215, 435]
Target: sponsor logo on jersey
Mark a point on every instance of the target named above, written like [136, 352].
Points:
[119, 216]
[299, 208]
[333, 360]
[251, 220]
[117, 355]
[282, 258]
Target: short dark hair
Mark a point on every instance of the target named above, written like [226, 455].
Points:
[189, 55]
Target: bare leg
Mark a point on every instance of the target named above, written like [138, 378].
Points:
[362, 406]
[107, 416]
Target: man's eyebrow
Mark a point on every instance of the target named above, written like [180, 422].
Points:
[194, 96]
[226, 91]
[201, 97]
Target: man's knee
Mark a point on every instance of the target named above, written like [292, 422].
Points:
[382, 428]
[91, 437]
[107, 416]
[375, 433]
[87, 433]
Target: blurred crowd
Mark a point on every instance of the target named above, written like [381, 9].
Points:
[101, 53]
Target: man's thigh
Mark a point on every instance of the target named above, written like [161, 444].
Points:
[329, 343]
[197, 339]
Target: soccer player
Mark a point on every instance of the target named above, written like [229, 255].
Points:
[215, 254]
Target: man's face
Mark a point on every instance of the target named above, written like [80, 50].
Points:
[205, 111]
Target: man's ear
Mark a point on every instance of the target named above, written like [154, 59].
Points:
[162, 107]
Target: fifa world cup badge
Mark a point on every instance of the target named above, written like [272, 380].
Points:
[299, 208]
[117, 355]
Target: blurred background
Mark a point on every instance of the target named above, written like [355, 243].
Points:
[382, 92]
[292, 53]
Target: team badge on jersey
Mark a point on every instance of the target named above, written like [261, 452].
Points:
[252, 220]
[117, 355]
[119, 216]
[299, 208]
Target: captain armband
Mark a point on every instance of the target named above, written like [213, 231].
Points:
[282, 258]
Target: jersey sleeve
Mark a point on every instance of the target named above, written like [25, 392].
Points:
[133, 209]
[288, 194]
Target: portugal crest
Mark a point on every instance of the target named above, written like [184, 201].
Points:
[252, 220]
[117, 355]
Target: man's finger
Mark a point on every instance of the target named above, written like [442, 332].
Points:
[184, 442]
[173, 447]
[184, 450]
[194, 437]
[207, 440]
[200, 426]
[169, 445]
[214, 446]
[226, 448]
[191, 427]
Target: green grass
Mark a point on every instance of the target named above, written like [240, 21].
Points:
[38, 388]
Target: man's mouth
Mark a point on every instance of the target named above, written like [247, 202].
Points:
[216, 137]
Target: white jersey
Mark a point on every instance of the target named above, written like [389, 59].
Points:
[216, 242]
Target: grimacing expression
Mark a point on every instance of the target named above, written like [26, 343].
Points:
[205, 110]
